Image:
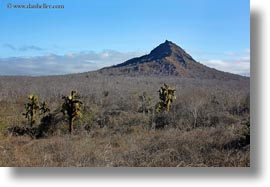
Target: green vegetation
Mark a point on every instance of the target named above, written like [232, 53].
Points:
[72, 107]
[166, 96]
[31, 109]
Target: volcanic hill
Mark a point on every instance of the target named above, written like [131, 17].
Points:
[168, 59]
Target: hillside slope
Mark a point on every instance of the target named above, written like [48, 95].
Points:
[168, 59]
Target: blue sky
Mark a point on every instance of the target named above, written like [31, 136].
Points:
[87, 35]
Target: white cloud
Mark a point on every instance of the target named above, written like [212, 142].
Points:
[9, 46]
[225, 54]
[29, 48]
[229, 53]
[211, 53]
[23, 48]
[53, 64]
[239, 65]
[237, 62]
[243, 59]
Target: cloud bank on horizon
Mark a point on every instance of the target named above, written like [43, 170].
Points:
[53, 64]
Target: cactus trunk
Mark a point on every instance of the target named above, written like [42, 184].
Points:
[71, 125]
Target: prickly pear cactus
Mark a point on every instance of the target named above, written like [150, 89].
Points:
[31, 109]
[72, 107]
[166, 96]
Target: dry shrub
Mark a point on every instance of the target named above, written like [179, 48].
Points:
[200, 147]
[205, 126]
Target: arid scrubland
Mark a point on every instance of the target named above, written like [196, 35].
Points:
[207, 125]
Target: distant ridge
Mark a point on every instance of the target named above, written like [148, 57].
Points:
[168, 59]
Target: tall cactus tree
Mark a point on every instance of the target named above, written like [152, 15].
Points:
[166, 96]
[31, 109]
[72, 107]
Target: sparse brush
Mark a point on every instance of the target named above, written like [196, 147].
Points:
[145, 101]
[116, 134]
